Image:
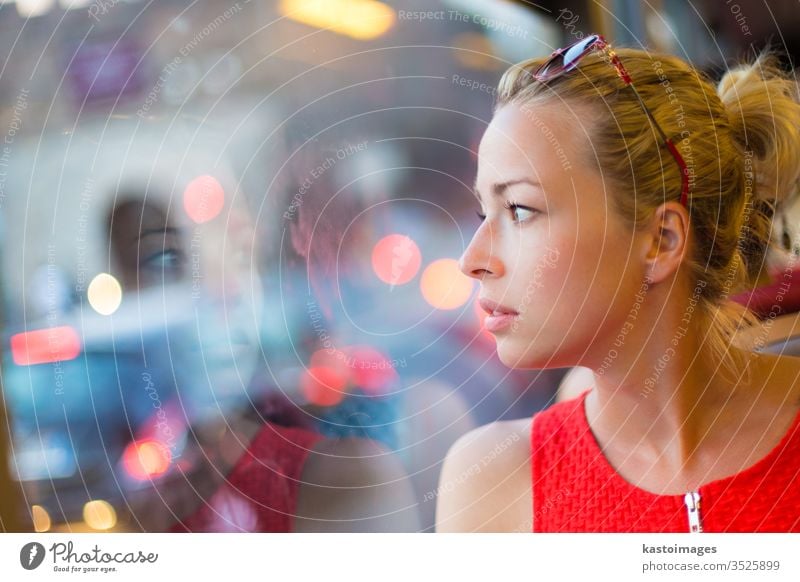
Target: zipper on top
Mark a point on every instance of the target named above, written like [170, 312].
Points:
[692, 501]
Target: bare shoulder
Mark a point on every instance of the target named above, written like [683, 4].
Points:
[486, 480]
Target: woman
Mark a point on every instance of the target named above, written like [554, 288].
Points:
[241, 454]
[623, 197]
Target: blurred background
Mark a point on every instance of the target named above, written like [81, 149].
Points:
[217, 209]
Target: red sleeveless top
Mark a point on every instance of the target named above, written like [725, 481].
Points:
[260, 492]
[575, 488]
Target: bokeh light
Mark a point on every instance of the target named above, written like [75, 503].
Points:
[330, 358]
[54, 344]
[444, 286]
[105, 294]
[41, 519]
[359, 19]
[372, 371]
[146, 459]
[203, 199]
[99, 515]
[323, 385]
[33, 8]
[396, 259]
[475, 51]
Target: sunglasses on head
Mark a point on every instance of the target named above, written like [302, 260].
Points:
[566, 59]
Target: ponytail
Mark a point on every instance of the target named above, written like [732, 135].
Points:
[761, 102]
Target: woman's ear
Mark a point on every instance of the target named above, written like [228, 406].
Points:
[666, 240]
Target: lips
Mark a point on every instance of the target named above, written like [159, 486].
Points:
[499, 316]
[494, 308]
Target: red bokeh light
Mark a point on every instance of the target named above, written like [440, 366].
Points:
[372, 371]
[203, 199]
[146, 459]
[396, 259]
[54, 344]
[323, 385]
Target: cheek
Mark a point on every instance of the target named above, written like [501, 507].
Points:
[598, 250]
[602, 272]
[556, 260]
[570, 265]
[540, 279]
[550, 271]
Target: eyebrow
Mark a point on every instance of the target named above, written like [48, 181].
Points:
[500, 188]
[162, 231]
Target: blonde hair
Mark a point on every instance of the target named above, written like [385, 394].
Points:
[740, 140]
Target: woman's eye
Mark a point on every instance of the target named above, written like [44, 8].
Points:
[521, 213]
[166, 260]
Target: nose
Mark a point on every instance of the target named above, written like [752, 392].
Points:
[481, 258]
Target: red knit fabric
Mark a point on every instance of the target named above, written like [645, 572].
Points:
[575, 488]
[779, 297]
[260, 493]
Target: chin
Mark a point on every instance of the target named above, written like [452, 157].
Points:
[517, 356]
[520, 355]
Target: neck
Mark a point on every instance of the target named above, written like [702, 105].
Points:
[664, 390]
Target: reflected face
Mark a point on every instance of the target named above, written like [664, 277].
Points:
[551, 254]
[148, 249]
[208, 267]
